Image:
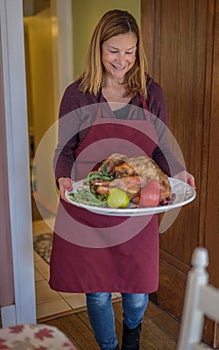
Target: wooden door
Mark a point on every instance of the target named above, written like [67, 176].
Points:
[181, 42]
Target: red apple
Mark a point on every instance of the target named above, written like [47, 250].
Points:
[150, 195]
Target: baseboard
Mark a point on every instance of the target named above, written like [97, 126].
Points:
[8, 316]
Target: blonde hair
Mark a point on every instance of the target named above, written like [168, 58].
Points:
[112, 23]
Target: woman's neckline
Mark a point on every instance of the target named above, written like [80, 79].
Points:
[116, 104]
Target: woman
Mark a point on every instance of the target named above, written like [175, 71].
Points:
[106, 111]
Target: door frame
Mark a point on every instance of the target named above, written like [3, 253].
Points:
[23, 310]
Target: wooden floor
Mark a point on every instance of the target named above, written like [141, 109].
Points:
[159, 330]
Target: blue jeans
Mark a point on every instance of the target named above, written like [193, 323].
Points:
[102, 320]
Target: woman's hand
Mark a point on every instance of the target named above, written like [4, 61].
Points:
[186, 177]
[65, 183]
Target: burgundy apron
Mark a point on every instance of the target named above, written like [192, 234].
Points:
[103, 253]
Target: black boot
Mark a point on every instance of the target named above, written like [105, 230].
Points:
[131, 338]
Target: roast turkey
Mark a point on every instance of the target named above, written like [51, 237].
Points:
[129, 174]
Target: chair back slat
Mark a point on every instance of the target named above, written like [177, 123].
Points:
[209, 302]
[201, 299]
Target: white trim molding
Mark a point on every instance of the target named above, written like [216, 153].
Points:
[14, 87]
[8, 315]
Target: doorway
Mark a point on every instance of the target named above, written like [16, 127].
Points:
[48, 27]
[46, 31]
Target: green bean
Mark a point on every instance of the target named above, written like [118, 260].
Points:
[98, 176]
[84, 196]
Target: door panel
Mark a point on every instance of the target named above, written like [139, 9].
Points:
[181, 42]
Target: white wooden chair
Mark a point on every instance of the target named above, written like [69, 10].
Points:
[201, 299]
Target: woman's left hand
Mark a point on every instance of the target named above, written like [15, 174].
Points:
[186, 177]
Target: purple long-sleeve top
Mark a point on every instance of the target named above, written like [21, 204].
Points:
[71, 133]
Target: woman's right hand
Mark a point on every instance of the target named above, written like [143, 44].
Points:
[65, 183]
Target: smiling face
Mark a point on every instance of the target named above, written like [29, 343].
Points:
[118, 55]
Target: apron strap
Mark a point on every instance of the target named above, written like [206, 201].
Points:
[144, 102]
